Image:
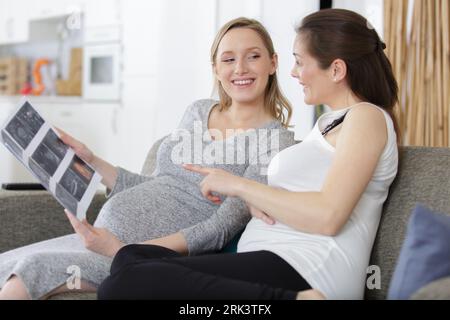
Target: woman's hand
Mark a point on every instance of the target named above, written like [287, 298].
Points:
[261, 215]
[80, 149]
[220, 181]
[98, 240]
[216, 180]
[106, 170]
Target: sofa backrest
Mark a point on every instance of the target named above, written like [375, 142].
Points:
[150, 161]
[423, 176]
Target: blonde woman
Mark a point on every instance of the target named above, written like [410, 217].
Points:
[167, 209]
[314, 225]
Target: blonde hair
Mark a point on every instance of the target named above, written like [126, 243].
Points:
[274, 100]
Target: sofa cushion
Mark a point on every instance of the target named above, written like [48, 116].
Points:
[425, 255]
[436, 290]
[423, 176]
[32, 216]
[150, 161]
[74, 296]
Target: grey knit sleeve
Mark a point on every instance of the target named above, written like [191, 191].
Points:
[126, 180]
[215, 232]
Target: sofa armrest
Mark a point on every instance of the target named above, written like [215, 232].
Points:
[31, 216]
[436, 290]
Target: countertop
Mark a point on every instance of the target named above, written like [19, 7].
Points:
[54, 99]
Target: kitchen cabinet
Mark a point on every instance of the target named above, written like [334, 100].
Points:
[45, 9]
[13, 22]
[15, 16]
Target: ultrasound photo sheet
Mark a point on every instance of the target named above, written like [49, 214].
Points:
[37, 145]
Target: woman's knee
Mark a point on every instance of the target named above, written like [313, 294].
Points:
[118, 284]
[151, 280]
[139, 252]
[109, 289]
[128, 254]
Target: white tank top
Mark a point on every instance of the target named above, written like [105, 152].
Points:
[334, 265]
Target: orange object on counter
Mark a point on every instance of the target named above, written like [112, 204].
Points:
[40, 87]
[26, 89]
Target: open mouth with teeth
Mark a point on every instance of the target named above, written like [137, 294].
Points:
[243, 83]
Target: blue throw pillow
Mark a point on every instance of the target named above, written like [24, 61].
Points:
[425, 254]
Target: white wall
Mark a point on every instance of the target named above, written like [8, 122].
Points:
[184, 69]
[372, 10]
[280, 18]
[141, 33]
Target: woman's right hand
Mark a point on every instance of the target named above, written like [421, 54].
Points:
[80, 149]
[106, 170]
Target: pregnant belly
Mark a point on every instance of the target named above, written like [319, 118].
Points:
[149, 211]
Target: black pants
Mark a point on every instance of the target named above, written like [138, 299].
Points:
[154, 272]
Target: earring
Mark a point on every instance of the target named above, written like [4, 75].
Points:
[335, 80]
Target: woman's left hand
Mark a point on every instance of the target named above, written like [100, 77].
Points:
[98, 240]
[261, 215]
[216, 180]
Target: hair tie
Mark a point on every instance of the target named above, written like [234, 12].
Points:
[380, 45]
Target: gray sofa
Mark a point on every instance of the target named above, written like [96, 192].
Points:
[424, 176]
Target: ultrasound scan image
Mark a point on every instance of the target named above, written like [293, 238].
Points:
[55, 144]
[40, 174]
[17, 130]
[69, 202]
[74, 184]
[82, 169]
[46, 159]
[15, 149]
[30, 118]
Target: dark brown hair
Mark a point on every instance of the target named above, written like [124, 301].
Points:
[342, 34]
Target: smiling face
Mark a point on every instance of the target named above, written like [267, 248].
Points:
[318, 84]
[243, 66]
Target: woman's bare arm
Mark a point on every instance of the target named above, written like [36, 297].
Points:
[359, 146]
